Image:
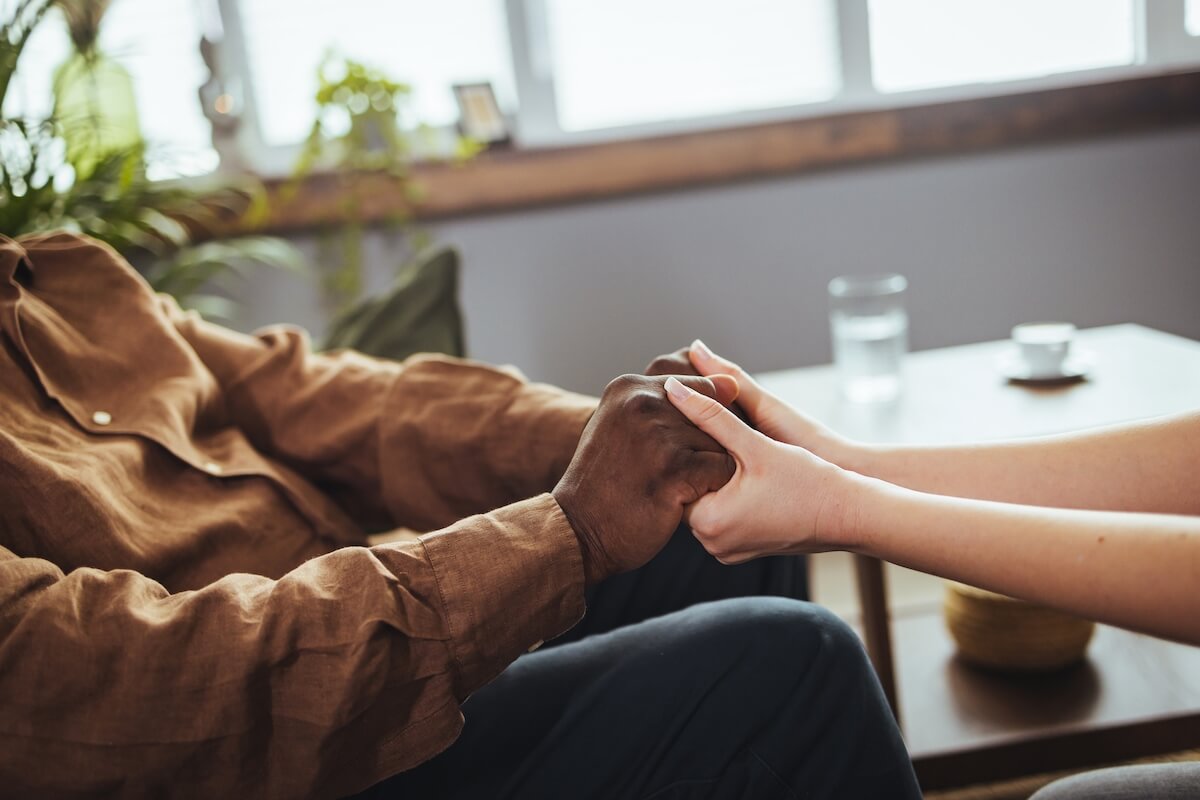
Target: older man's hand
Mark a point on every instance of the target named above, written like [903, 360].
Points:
[638, 463]
[680, 363]
[676, 363]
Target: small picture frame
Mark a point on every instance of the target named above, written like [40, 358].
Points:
[479, 115]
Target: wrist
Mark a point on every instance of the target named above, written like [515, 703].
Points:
[568, 443]
[858, 457]
[876, 508]
[589, 548]
[861, 498]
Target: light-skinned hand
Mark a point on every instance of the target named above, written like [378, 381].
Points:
[781, 498]
[767, 413]
[681, 362]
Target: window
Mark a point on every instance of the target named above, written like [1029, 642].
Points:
[569, 71]
[157, 41]
[430, 45]
[625, 62]
[919, 44]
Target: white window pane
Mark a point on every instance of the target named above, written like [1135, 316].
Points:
[157, 41]
[429, 45]
[1193, 17]
[918, 44]
[29, 94]
[622, 62]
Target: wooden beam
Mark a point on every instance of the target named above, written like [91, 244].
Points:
[507, 180]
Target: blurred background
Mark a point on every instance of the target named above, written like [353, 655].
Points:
[669, 168]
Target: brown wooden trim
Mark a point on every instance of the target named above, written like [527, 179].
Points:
[1072, 750]
[507, 180]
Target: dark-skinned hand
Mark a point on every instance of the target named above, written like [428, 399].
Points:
[679, 363]
[638, 463]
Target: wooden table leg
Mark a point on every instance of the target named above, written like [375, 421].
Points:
[872, 595]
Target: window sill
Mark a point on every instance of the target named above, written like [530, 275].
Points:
[515, 179]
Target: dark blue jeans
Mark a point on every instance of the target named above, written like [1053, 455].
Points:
[751, 697]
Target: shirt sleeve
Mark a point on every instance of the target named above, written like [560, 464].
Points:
[418, 443]
[341, 673]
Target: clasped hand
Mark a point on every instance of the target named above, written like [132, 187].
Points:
[781, 498]
[666, 445]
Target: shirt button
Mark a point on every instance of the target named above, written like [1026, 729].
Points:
[213, 468]
[101, 417]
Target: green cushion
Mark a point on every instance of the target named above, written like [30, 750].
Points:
[419, 314]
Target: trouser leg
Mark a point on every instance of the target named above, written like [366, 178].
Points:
[754, 698]
[681, 575]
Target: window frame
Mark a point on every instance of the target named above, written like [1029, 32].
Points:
[508, 180]
[1163, 45]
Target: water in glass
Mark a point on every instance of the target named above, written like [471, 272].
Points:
[868, 351]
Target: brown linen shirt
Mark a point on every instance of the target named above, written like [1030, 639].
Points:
[188, 603]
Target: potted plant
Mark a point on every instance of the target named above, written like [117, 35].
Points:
[85, 169]
[365, 123]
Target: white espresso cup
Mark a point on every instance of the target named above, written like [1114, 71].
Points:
[1044, 346]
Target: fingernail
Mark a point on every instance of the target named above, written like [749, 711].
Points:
[701, 349]
[677, 389]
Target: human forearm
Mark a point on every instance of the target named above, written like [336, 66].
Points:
[338, 674]
[1140, 466]
[458, 437]
[420, 443]
[1139, 571]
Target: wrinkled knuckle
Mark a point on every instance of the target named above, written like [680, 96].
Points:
[665, 365]
[622, 383]
[703, 386]
[642, 402]
[709, 409]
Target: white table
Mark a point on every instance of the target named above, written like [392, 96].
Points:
[957, 394]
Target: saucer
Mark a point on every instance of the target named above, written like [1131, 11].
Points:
[1075, 367]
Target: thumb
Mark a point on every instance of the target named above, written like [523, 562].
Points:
[713, 418]
[751, 396]
[727, 388]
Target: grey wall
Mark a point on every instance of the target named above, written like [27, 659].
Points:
[1093, 232]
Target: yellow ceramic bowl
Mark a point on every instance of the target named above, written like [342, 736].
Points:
[995, 631]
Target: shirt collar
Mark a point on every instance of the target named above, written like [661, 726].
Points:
[11, 255]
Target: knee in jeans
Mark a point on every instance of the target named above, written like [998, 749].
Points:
[788, 632]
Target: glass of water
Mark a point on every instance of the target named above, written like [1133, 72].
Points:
[870, 334]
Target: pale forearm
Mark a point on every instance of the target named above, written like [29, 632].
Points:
[1142, 466]
[1139, 571]
[1136, 570]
